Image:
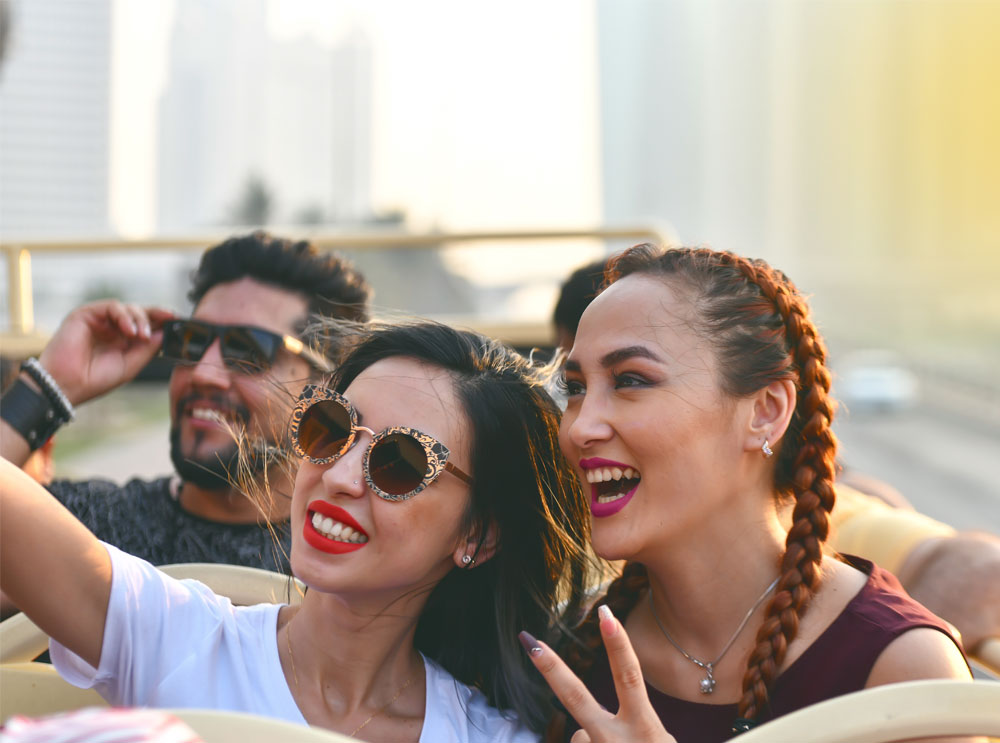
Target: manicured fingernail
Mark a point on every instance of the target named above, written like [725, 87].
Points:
[530, 643]
[608, 623]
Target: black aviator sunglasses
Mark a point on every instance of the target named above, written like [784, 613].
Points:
[245, 348]
[399, 461]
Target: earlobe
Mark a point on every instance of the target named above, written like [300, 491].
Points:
[773, 407]
[476, 550]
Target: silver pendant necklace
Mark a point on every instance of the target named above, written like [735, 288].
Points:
[707, 684]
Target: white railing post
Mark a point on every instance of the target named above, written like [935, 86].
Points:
[19, 301]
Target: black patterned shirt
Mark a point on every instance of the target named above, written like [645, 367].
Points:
[145, 518]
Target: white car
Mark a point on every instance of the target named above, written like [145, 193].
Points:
[874, 380]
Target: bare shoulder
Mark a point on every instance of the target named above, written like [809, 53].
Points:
[841, 582]
[921, 653]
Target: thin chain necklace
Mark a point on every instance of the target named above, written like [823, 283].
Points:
[372, 716]
[707, 684]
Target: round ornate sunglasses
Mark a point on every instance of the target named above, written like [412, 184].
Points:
[399, 461]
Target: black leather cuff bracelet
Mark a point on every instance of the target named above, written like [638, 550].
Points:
[30, 413]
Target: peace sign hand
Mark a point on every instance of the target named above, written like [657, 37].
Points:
[636, 721]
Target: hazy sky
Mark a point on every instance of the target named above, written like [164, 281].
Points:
[501, 99]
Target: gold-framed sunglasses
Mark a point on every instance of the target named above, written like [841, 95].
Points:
[399, 461]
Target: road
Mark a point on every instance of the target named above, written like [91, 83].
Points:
[943, 461]
[139, 452]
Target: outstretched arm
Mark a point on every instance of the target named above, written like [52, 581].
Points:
[958, 578]
[51, 567]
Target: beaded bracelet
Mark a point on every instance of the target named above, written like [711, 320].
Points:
[55, 395]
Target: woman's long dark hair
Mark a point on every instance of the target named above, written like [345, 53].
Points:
[523, 487]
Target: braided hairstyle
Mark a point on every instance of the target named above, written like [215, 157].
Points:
[760, 330]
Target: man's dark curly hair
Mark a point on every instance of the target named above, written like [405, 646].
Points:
[576, 293]
[331, 286]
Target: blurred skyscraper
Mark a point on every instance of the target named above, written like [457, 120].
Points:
[54, 118]
[241, 106]
[687, 97]
[351, 125]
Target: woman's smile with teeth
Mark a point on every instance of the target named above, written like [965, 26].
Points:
[337, 531]
[604, 474]
[612, 483]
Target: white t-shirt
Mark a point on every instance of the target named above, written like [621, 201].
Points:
[174, 643]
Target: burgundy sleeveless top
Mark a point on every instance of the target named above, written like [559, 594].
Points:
[838, 662]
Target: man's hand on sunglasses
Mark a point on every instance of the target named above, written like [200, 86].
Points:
[101, 346]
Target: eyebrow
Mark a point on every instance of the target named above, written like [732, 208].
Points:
[616, 357]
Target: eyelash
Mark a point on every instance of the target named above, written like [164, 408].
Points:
[569, 387]
[572, 387]
[630, 379]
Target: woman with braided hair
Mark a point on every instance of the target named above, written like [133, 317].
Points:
[698, 404]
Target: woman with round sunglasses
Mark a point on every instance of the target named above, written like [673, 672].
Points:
[432, 519]
[698, 406]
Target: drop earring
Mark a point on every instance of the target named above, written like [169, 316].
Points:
[766, 448]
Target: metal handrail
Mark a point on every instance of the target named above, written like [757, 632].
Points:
[18, 256]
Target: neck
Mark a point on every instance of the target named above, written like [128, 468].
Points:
[702, 601]
[231, 506]
[353, 658]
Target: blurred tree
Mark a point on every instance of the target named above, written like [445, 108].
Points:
[102, 290]
[255, 204]
[310, 214]
[4, 27]
[394, 217]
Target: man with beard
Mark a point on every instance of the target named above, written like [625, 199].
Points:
[241, 361]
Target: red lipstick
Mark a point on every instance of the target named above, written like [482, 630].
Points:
[323, 543]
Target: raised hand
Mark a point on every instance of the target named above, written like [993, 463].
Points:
[102, 345]
[636, 720]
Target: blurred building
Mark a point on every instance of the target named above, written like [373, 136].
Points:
[54, 119]
[688, 97]
[855, 145]
[351, 127]
[241, 107]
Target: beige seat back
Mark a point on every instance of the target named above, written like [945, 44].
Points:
[915, 709]
[35, 689]
[242, 585]
[21, 640]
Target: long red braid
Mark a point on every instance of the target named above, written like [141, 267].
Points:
[760, 328]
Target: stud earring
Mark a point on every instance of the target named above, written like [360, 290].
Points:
[355, 482]
[468, 561]
[766, 448]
